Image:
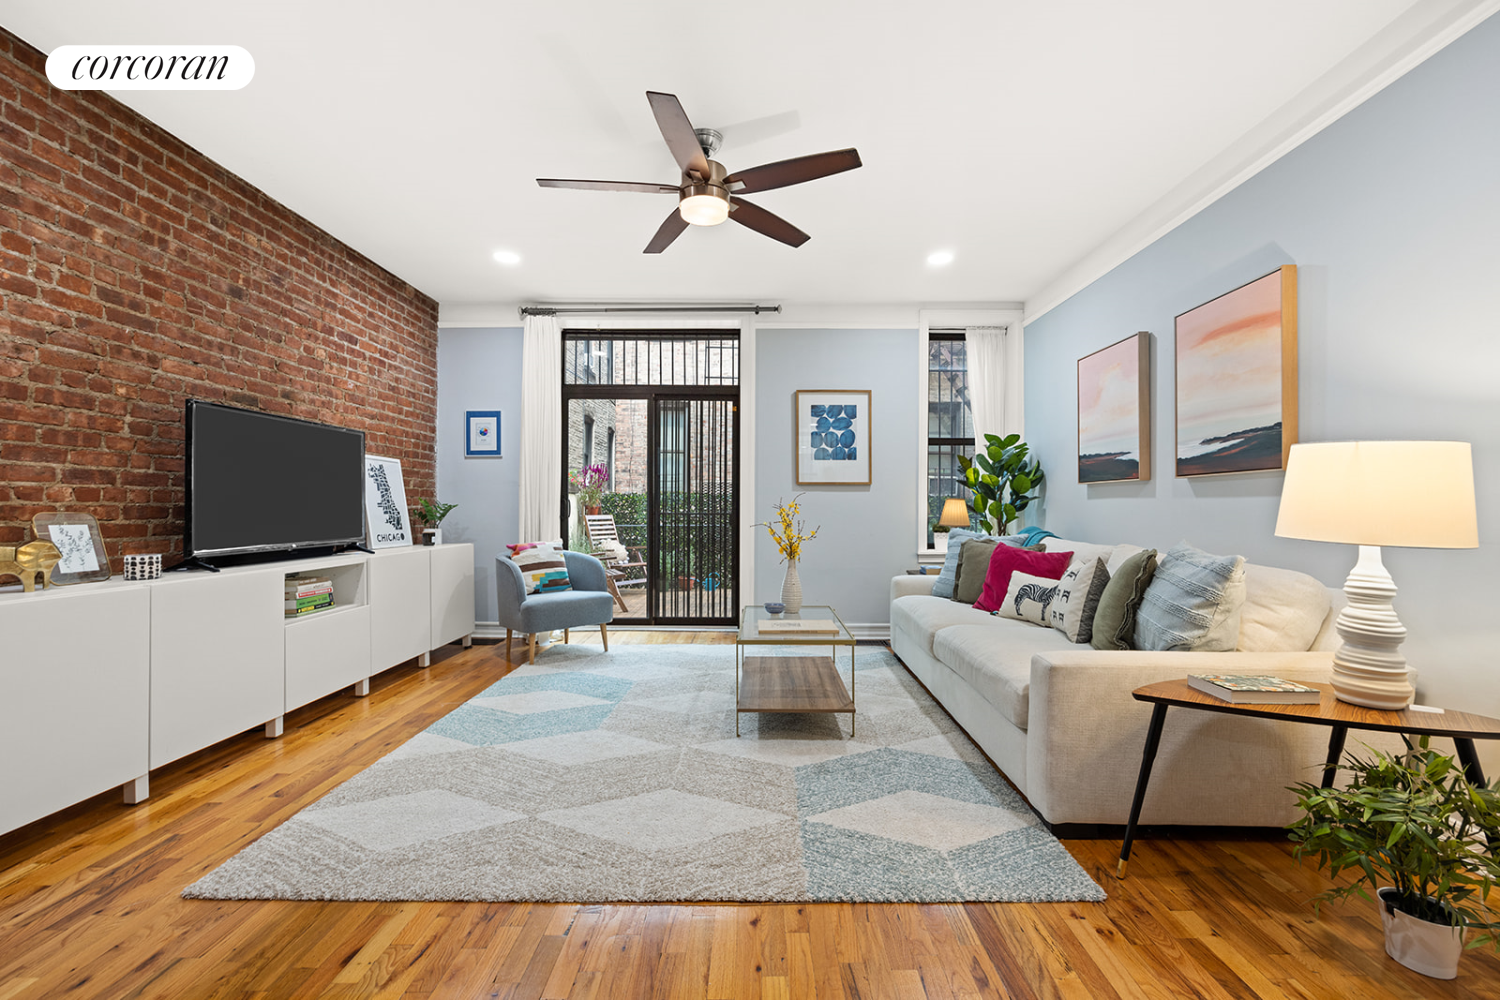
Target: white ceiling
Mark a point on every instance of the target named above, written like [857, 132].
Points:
[1019, 135]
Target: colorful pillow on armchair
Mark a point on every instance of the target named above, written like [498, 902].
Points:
[542, 567]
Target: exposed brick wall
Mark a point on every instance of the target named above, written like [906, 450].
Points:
[135, 273]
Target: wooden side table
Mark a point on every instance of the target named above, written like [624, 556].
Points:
[1340, 717]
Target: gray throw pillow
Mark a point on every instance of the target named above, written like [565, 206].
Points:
[1193, 602]
[1114, 618]
[948, 578]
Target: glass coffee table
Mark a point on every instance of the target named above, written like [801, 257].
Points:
[803, 682]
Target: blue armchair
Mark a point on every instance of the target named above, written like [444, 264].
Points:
[588, 603]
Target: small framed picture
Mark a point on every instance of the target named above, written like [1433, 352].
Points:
[385, 503]
[79, 544]
[482, 434]
[831, 431]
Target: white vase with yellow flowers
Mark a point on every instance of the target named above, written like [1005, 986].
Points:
[788, 532]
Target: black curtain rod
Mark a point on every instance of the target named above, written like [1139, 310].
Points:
[565, 310]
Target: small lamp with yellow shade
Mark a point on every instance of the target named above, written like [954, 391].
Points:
[955, 514]
[1355, 492]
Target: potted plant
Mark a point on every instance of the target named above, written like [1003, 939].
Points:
[1003, 480]
[589, 483]
[1415, 829]
[431, 514]
[940, 536]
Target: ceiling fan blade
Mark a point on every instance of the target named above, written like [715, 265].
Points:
[669, 231]
[643, 188]
[783, 173]
[766, 223]
[678, 131]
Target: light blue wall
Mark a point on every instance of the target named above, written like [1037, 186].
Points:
[1393, 218]
[480, 369]
[868, 533]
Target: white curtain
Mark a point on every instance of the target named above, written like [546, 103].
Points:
[541, 429]
[996, 376]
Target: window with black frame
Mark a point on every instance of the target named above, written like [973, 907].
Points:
[950, 422]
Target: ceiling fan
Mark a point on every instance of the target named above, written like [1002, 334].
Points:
[708, 193]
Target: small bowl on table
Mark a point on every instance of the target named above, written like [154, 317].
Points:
[774, 608]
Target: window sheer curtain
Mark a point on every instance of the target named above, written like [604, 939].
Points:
[996, 380]
[541, 429]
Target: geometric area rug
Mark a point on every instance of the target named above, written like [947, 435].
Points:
[593, 777]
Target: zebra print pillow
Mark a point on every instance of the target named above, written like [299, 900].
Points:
[1028, 598]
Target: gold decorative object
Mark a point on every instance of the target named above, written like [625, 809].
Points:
[28, 560]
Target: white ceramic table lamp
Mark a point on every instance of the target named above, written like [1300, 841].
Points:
[1374, 493]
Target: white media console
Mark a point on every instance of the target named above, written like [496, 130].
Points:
[105, 681]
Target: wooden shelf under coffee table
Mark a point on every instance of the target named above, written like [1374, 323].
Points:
[801, 683]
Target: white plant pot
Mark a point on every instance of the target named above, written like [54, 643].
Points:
[940, 541]
[1420, 945]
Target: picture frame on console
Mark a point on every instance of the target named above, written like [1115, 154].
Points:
[79, 544]
[1114, 412]
[1236, 379]
[386, 513]
[831, 436]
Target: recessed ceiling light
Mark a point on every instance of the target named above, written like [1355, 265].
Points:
[940, 258]
[508, 257]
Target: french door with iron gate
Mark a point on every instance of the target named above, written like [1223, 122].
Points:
[652, 434]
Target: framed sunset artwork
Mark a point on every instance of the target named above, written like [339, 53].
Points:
[1236, 375]
[1114, 412]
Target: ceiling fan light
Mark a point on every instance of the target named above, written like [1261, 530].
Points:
[704, 209]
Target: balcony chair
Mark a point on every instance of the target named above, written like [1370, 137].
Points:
[588, 603]
[617, 557]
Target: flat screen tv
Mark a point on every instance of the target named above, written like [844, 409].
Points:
[257, 482]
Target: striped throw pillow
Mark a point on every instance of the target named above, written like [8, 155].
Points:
[542, 568]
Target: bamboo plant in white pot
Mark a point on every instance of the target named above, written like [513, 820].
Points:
[1415, 829]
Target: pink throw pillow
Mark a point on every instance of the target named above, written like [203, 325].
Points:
[1007, 560]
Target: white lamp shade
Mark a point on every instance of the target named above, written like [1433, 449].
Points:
[1405, 493]
[955, 513]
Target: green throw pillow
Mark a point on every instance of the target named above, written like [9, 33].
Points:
[974, 565]
[1114, 620]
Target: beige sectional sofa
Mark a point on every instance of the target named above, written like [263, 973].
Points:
[1058, 718]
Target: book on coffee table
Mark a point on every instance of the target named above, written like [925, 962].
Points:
[798, 626]
[1254, 689]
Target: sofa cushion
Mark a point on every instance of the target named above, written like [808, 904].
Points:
[1284, 610]
[1193, 602]
[542, 568]
[922, 617]
[996, 661]
[1114, 619]
[1083, 552]
[1122, 552]
[1005, 560]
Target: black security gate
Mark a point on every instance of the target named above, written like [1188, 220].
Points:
[657, 415]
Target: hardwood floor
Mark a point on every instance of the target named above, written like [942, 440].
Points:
[90, 906]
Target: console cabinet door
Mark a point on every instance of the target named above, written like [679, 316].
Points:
[452, 592]
[399, 588]
[75, 676]
[217, 658]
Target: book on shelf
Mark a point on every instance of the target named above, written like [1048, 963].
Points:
[1255, 689]
[302, 602]
[311, 609]
[303, 583]
[322, 588]
[798, 626]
